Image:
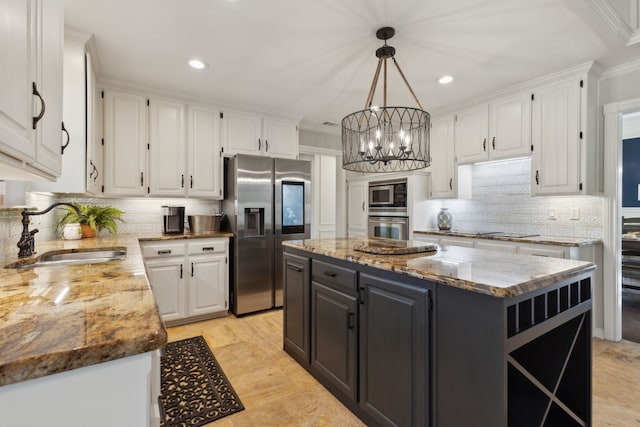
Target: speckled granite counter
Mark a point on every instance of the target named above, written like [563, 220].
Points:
[542, 240]
[57, 318]
[493, 273]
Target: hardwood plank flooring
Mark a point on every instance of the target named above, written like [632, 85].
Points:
[276, 391]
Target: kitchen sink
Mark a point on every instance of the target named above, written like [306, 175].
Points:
[72, 257]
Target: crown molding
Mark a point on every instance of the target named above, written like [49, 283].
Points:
[329, 130]
[608, 14]
[621, 69]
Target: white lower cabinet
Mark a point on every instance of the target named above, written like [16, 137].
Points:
[493, 245]
[544, 250]
[190, 280]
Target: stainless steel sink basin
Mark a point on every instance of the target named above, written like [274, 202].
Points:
[72, 257]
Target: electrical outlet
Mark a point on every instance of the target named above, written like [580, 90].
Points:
[553, 214]
[575, 213]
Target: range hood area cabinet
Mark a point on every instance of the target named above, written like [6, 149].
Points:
[82, 161]
[161, 147]
[245, 133]
[497, 130]
[31, 88]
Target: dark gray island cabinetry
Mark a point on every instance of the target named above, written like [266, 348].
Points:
[459, 337]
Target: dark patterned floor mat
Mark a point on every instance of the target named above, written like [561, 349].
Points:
[195, 391]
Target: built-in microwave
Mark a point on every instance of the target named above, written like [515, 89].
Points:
[388, 194]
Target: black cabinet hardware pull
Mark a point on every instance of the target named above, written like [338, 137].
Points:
[208, 249]
[361, 295]
[68, 139]
[362, 206]
[93, 168]
[182, 180]
[330, 274]
[484, 144]
[96, 171]
[190, 181]
[450, 183]
[141, 179]
[181, 271]
[537, 178]
[164, 252]
[493, 142]
[294, 268]
[266, 144]
[39, 116]
[191, 269]
[350, 319]
[259, 144]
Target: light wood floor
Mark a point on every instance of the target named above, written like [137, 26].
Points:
[276, 391]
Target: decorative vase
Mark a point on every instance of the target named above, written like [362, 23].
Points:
[87, 231]
[72, 231]
[444, 219]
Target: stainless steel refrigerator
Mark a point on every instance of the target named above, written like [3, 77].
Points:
[267, 201]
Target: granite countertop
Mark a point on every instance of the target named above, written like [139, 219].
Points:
[499, 274]
[57, 318]
[541, 240]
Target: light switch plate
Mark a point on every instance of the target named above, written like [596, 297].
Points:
[575, 213]
[553, 214]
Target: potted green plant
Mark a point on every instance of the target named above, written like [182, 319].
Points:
[92, 218]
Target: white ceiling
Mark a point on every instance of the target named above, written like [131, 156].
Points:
[313, 60]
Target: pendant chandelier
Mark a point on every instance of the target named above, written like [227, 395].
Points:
[386, 139]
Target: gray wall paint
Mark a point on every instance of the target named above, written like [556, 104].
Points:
[316, 139]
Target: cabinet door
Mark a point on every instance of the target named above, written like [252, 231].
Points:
[510, 127]
[442, 158]
[95, 154]
[49, 51]
[18, 56]
[394, 352]
[167, 278]
[471, 135]
[208, 285]
[167, 148]
[242, 133]
[334, 337]
[555, 139]
[125, 139]
[296, 306]
[357, 200]
[204, 153]
[280, 138]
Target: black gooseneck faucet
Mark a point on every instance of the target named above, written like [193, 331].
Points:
[27, 241]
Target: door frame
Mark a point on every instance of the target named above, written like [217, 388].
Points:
[612, 265]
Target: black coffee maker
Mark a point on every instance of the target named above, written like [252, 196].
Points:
[173, 219]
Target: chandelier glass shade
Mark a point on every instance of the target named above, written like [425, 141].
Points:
[386, 139]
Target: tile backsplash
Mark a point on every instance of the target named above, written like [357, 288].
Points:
[141, 215]
[501, 201]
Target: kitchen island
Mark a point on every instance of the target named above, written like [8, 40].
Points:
[454, 337]
[80, 342]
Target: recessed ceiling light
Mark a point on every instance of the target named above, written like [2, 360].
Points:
[197, 64]
[444, 80]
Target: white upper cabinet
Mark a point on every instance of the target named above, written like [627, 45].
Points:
[280, 138]
[357, 208]
[245, 133]
[167, 148]
[204, 152]
[125, 144]
[443, 185]
[31, 42]
[498, 130]
[556, 139]
[94, 169]
[510, 127]
[472, 134]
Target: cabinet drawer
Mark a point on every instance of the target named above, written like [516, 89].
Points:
[154, 250]
[544, 250]
[339, 277]
[207, 246]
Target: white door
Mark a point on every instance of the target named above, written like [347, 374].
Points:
[204, 153]
[555, 139]
[280, 138]
[510, 127]
[442, 159]
[207, 284]
[49, 51]
[16, 79]
[242, 133]
[357, 199]
[167, 279]
[125, 144]
[167, 148]
[471, 134]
